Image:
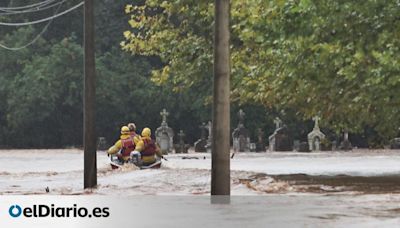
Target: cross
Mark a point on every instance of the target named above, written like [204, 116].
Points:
[316, 119]
[277, 122]
[164, 115]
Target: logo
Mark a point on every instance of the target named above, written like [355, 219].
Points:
[42, 210]
[15, 211]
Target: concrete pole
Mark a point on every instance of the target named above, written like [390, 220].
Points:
[89, 140]
[220, 170]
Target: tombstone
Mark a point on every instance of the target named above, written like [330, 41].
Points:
[296, 145]
[101, 143]
[165, 135]
[334, 145]
[260, 145]
[209, 139]
[326, 144]
[252, 147]
[181, 147]
[304, 147]
[315, 136]
[200, 145]
[395, 144]
[240, 136]
[283, 141]
[280, 140]
[345, 144]
[271, 138]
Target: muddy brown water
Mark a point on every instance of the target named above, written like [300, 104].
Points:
[338, 183]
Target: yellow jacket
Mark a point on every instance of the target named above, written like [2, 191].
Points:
[140, 147]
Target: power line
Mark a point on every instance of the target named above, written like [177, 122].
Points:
[42, 20]
[28, 6]
[28, 44]
[33, 10]
[34, 39]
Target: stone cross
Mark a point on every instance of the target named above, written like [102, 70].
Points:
[164, 115]
[316, 119]
[277, 122]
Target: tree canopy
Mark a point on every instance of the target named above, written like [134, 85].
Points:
[336, 59]
[41, 85]
[290, 58]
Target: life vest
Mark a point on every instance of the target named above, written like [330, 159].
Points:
[149, 147]
[127, 147]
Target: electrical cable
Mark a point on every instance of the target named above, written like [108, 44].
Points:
[32, 10]
[28, 6]
[35, 39]
[42, 20]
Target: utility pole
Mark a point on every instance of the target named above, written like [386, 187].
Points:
[89, 138]
[220, 168]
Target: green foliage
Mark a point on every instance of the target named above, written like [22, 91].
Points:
[46, 96]
[292, 58]
[337, 59]
[41, 86]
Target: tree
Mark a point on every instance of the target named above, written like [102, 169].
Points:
[336, 59]
[46, 97]
[125, 92]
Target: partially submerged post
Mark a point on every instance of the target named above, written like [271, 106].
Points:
[220, 169]
[89, 138]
